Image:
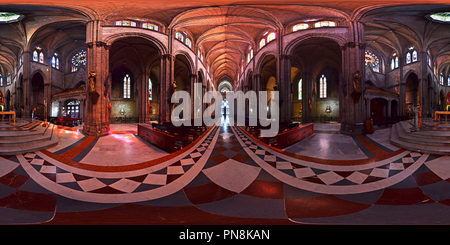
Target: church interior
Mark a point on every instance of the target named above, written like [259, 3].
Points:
[88, 133]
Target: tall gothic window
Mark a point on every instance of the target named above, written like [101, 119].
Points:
[323, 87]
[271, 37]
[300, 90]
[394, 61]
[441, 79]
[1, 80]
[411, 56]
[149, 89]
[41, 57]
[38, 55]
[372, 61]
[55, 61]
[126, 86]
[35, 55]
[188, 42]
[262, 43]
[78, 60]
[408, 58]
[179, 36]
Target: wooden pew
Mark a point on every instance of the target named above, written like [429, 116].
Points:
[158, 138]
[294, 135]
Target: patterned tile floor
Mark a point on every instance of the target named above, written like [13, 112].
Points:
[226, 177]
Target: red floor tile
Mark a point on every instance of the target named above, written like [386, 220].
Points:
[265, 189]
[207, 193]
[403, 196]
[323, 206]
[30, 201]
[426, 178]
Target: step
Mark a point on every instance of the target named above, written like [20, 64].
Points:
[22, 133]
[414, 138]
[29, 147]
[9, 141]
[436, 134]
[423, 148]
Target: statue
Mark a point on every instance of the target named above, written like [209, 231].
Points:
[92, 93]
[357, 91]
[357, 81]
[92, 81]
[174, 86]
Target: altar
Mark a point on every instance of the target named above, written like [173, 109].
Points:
[11, 113]
[437, 115]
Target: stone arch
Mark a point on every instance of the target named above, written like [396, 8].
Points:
[160, 47]
[291, 46]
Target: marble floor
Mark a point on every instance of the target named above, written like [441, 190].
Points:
[226, 177]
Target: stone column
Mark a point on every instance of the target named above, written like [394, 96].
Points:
[98, 82]
[256, 87]
[353, 66]
[193, 78]
[285, 88]
[165, 89]
[143, 97]
[307, 95]
[26, 85]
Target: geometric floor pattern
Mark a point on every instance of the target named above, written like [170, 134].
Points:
[228, 178]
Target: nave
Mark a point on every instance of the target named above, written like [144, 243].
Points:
[225, 177]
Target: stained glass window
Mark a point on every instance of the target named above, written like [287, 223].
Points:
[394, 61]
[323, 87]
[301, 26]
[408, 58]
[149, 89]
[41, 57]
[441, 79]
[126, 86]
[300, 89]
[179, 36]
[225, 90]
[188, 42]
[262, 43]
[8, 80]
[448, 81]
[372, 61]
[324, 24]
[1, 81]
[150, 26]
[414, 56]
[55, 61]
[78, 60]
[35, 56]
[125, 23]
[271, 37]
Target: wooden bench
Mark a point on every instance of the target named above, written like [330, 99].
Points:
[158, 138]
[294, 135]
[68, 122]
